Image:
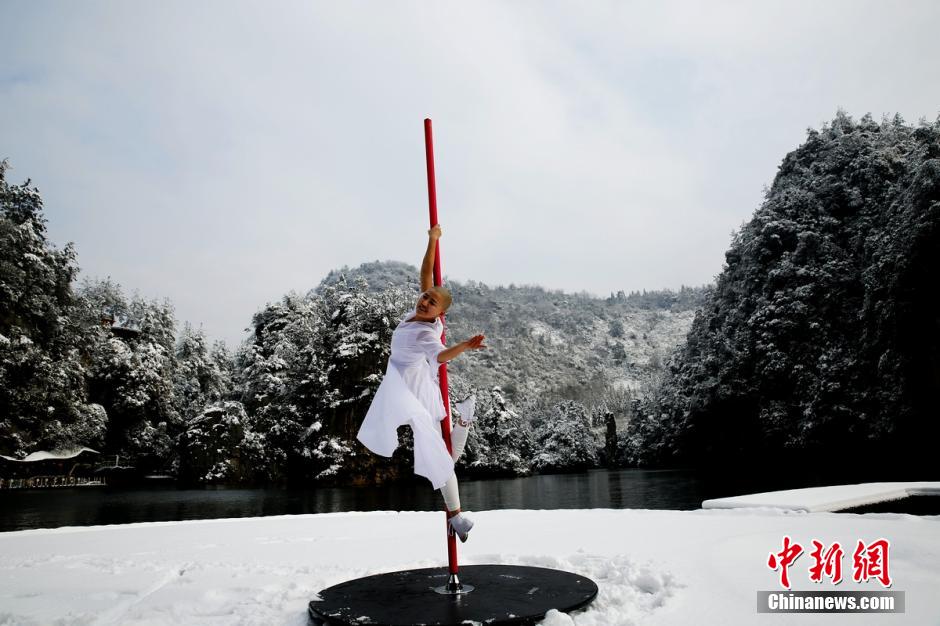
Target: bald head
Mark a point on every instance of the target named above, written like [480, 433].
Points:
[443, 297]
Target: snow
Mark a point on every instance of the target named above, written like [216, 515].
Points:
[652, 567]
[832, 498]
[538, 329]
[43, 455]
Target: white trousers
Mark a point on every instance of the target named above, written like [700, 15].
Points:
[458, 440]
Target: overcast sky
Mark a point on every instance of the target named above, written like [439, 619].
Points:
[221, 154]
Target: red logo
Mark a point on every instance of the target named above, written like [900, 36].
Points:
[784, 559]
[868, 562]
[828, 563]
[871, 561]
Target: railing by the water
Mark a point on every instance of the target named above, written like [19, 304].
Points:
[34, 482]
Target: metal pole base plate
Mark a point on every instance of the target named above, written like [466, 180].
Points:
[453, 587]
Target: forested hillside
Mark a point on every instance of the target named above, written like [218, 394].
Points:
[560, 373]
[820, 344]
[548, 342]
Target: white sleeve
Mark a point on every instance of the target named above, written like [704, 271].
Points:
[430, 344]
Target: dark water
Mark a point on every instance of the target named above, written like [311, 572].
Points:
[617, 489]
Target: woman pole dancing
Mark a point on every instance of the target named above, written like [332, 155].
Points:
[410, 393]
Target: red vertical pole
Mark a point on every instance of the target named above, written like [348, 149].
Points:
[442, 370]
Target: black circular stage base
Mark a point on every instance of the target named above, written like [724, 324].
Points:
[502, 594]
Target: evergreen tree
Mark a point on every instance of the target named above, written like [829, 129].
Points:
[565, 439]
[500, 441]
[42, 388]
[216, 446]
[277, 371]
[199, 378]
[132, 378]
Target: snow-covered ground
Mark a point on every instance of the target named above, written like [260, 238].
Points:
[832, 498]
[652, 567]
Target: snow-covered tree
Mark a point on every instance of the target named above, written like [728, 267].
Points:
[132, 378]
[42, 387]
[276, 373]
[213, 428]
[500, 441]
[199, 377]
[216, 446]
[565, 439]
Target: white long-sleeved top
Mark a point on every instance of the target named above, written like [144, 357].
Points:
[410, 394]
